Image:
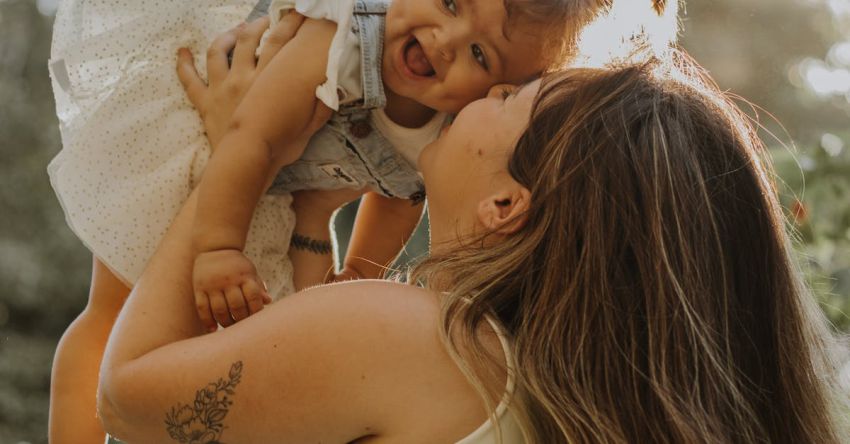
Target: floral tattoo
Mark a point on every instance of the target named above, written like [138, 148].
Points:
[203, 423]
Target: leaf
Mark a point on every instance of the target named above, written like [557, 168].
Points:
[217, 415]
[235, 370]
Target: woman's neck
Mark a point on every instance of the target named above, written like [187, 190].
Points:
[407, 112]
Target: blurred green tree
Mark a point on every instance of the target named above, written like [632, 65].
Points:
[764, 51]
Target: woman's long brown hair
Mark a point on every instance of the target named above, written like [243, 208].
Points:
[651, 295]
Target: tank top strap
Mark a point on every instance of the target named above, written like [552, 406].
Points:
[509, 429]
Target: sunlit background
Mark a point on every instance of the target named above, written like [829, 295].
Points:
[791, 58]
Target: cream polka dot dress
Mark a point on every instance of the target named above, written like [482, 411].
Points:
[133, 145]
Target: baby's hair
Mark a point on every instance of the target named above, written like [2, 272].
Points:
[559, 20]
[564, 24]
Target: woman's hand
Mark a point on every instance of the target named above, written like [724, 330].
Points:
[217, 101]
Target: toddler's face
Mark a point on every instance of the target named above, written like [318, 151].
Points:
[446, 53]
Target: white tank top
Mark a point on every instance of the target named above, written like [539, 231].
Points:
[511, 434]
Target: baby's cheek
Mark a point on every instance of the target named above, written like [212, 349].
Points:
[461, 99]
[465, 88]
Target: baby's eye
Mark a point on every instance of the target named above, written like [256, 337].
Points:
[478, 55]
[451, 5]
[506, 93]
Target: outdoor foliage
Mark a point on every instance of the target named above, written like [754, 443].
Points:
[817, 196]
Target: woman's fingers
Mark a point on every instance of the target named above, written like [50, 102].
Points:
[279, 36]
[192, 82]
[244, 56]
[217, 64]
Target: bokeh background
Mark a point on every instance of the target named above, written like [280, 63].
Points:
[790, 58]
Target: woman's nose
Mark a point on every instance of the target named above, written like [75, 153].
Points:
[498, 91]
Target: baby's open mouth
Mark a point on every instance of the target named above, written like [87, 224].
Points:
[416, 60]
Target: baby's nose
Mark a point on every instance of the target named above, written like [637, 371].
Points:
[443, 45]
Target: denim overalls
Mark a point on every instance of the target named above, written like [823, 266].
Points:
[349, 152]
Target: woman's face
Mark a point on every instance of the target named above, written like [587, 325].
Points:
[467, 167]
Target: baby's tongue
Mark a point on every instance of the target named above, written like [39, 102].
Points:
[417, 62]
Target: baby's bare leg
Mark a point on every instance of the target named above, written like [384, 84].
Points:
[73, 388]
[311, 251]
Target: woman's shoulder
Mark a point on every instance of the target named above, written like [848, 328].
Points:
[370, 351]
[379, 288]
[391, 304]
[390, 332]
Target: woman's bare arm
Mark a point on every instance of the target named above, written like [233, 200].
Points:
[306, 369]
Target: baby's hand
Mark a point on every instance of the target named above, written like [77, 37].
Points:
[227, 288]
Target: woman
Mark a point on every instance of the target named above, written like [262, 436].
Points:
[608, 264]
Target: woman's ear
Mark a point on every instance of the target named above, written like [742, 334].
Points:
[506, 211]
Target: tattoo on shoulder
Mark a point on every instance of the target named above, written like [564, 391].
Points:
[203, 422]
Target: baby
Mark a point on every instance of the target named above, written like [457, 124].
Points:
[392, 73]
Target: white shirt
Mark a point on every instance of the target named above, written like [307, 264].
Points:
[409, 142]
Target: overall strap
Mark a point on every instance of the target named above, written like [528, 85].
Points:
[260, 10]
[364, 7]
[369, 25]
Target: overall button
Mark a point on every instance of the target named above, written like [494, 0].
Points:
[361, 129]
[417, 197]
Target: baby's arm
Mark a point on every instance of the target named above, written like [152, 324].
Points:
[278, 108]
[382, 227]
